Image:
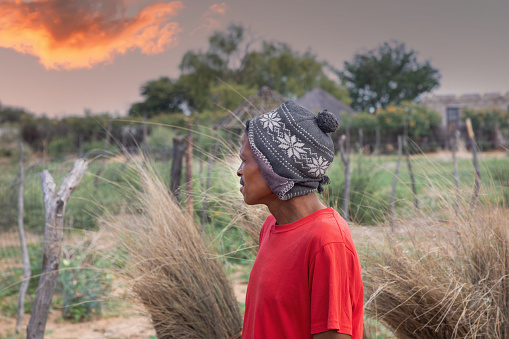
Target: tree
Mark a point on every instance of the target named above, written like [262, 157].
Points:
[163, 95]
[10, 114]
[387, 74]
[288, 72]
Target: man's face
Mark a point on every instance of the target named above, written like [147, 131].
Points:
[254, 186]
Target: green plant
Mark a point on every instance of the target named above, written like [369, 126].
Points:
[58, 147]
[83, 287]
[419, 119]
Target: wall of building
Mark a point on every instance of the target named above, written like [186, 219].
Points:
[440, 103]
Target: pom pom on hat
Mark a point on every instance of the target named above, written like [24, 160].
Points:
[327, 122]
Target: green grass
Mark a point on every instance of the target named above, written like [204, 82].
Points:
[370, 190]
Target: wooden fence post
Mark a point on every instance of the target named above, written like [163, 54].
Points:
[189, 172]
[377, 141]
[361, 134]
[24, 250]
[411, 172]
[346, 160]
[176, 165]
[394, 182]
[54, 203]
[473, 146]
[207, 185]
[455, 166]
[144, 143]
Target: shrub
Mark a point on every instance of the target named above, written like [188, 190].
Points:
[61, 146]
[420, 119]
[485, 123]
[83, 284]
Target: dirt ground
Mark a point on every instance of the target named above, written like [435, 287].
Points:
[132, 324]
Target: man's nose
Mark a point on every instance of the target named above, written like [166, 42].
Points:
[239, 171]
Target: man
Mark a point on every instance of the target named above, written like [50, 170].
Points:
[306, 280]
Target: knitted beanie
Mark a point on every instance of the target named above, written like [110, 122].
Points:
[293, 149]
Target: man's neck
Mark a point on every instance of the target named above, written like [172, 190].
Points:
[288, 211]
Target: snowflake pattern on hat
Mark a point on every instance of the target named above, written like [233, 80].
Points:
[318, 166]
[291, 145]
[270, 120]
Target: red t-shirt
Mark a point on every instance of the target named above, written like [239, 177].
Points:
[305, 280]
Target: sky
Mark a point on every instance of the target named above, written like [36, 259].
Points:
[62, 57]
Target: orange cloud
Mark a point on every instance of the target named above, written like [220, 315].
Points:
[208, 22]
[69, 34]
[218, 8]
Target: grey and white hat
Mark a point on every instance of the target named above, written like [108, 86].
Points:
[293, 149]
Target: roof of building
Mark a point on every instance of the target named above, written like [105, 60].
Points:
[317, 100]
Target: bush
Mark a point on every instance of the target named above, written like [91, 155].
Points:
[420, 119]
[485, 123]
[83, 284]
[61, 146]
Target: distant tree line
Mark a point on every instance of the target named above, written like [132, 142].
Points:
[214, 81]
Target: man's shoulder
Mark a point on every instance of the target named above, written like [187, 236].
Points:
[330, 228]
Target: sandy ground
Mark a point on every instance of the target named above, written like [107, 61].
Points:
[132, 325]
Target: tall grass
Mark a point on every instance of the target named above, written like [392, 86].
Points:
[444, 275]
[173, 272]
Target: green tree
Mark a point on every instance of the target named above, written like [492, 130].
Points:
[163, 95]
[10, 114]
[288, 72]
[387, 75]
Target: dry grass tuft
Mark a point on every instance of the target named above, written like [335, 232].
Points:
[173, 272]
[443, 278]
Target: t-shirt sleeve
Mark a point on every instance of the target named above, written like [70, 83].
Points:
[332, 278]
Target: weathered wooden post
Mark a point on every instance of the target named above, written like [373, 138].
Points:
[395, 181]
[176, 165]
[361, 135]
[346, 160]
[455, 166]
[207, 185]
[189, 172]
[410, 170]
[144, 144]
[22, 239]
[54, 203]
[473, 146]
